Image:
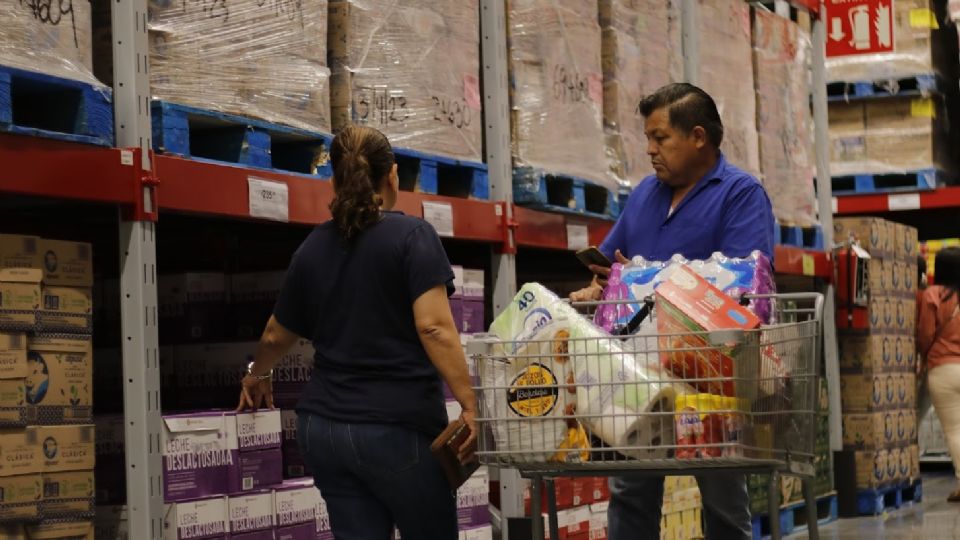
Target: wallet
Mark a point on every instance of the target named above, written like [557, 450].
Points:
[445, 448]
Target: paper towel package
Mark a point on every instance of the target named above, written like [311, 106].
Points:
[251, 512]
[249, 57]
[552, 348]
[688, 306]
[259, 430]
[193, 520]
[200, 455]
[411, 69]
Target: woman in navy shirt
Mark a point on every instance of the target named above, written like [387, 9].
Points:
[369, 288]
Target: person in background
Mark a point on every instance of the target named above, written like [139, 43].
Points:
[697, 203]
[369, 288]
[938, 340]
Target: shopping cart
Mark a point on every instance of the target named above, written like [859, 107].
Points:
[654, 403]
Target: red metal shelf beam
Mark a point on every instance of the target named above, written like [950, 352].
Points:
[945, 197]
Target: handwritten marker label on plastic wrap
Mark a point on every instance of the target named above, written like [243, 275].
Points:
[440, 215]
[268, 199]
[577, 237]
[595, 87]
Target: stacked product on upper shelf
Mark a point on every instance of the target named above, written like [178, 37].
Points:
[876, 316]
[725, 71]
[641, 51]
[411, 69]
[556, 99]
[784, 121]
[46, 74]
[46, 381]
[890, 112]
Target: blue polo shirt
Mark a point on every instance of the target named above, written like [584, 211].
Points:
[727, 211]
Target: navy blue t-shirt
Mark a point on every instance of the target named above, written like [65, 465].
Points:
[355, 302]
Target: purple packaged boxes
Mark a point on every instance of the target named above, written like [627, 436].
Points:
[300, 512]
[194, 520]
[473, 311]
[251, 516]
[292, 374]
[109, 473]
[293, 464]
[473, 501]
[200, 455]
[259, 437]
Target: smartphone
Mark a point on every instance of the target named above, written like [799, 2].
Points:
[592, 255]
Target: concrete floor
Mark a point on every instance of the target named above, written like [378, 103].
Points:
[933, 519]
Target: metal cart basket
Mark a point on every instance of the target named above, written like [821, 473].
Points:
[655, 403]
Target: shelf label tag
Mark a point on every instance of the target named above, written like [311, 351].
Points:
[268, 199]
[809, 265]
[577, 237]
[126, 157]
[834, 205]
[440, 215]
[903, 201]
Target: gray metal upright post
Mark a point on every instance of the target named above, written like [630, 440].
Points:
[496, 113]
[138, 285]
[831, 361]
[690, 40]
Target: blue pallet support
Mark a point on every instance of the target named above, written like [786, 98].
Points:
[801, 237]
[439, 175]
[41, 105]
[563, 193]
[793, 517]
[211, 135]
[876, 501]
[923, 179]
[917, 85]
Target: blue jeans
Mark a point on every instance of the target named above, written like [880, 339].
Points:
[636, 501]
[373, 476]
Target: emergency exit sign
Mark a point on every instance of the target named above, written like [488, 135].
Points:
[858, 27]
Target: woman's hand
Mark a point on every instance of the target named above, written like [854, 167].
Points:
[255, 393]
[467, 451]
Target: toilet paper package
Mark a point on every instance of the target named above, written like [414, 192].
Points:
[554, 363]
[640, 278]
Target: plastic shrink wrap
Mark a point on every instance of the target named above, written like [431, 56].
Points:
[784, 121]
[411, 69]
[556, 87]
[726, 73]
[48, 37]
[260, 58]
[641, 52]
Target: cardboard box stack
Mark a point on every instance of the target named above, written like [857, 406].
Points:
[556, 90]
[726, 69]
[784, 120]
[641, 51]
[682, 512]
[917, 47]
[32, 41]
[46, 384]
[877, 353]
[889, 135]
[262, 59]
[420, 84]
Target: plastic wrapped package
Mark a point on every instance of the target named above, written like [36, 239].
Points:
[914, 48]
[726, 73]
[784, 120]
[639, 279]
[264, 59]
[891, 135]
[557, 88]
[641, 52]
[52, 38]
[411, 69]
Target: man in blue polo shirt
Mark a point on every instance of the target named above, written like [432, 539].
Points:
[695, 205]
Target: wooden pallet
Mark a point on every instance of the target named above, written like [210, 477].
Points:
[211, 135]
[568, 194]
[42, 105]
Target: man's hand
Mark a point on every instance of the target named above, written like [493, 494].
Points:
[593, 293]
[467, 451]
[255, 393]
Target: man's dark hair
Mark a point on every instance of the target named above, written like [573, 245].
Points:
[688, 107]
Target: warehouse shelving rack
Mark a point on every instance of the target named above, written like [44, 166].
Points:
[141, 183]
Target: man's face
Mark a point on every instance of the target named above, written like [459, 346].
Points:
[673, 153]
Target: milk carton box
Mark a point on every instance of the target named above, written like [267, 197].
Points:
[200, 455]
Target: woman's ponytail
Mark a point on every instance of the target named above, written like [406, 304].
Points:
[362, 159]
